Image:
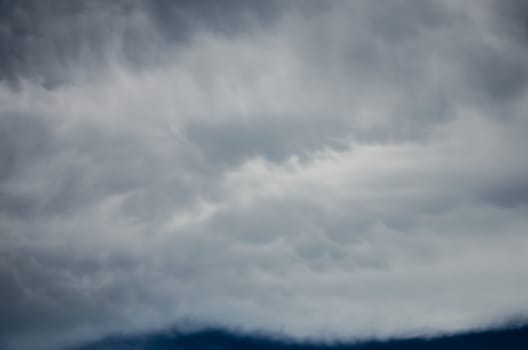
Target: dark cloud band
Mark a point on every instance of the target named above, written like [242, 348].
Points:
[323, 169]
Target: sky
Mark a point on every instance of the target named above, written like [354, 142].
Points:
[312, 170]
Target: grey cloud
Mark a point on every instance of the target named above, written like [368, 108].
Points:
[24, 140]
[509, 194]
[178, 19]
[498, 73]
[234, 141]
[49, 40]
[513, 17]
[265, 166]
[41, 38]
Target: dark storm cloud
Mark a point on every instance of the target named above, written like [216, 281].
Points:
[511, 194]
[498, 73]
[514, 17]
[332, 169]
[42, 39]
[178, 19]
[514, 338]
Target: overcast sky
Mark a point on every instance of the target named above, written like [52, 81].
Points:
[319, 169]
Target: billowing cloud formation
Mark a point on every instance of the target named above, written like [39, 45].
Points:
[332, 169]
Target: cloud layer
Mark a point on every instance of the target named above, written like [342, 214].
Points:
[338, 170]
[514, 338]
